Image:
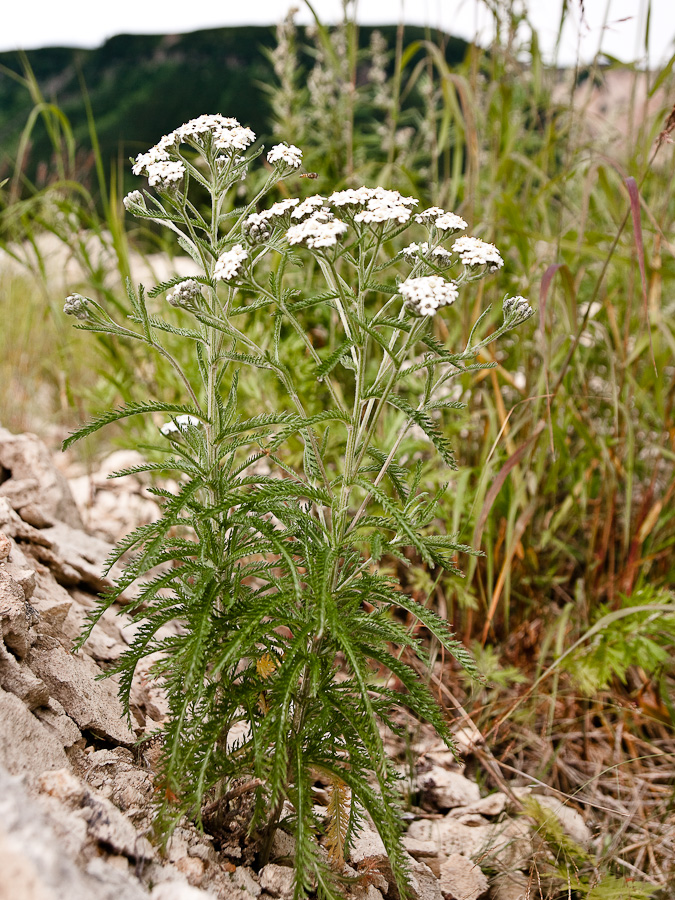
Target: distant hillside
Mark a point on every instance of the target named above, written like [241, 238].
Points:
[141, 86]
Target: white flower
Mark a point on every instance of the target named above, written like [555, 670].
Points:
[428, 214]
[412, 250]
[308, 206]
[351, 197]
[164, 174]
[474, 252]
[317, 231]
[516, 310]
[230, 263]
[237, 138]
[144, 160]
[185, 293]
[291, 155]
[442, 255]
[380, 204]
[181, 423]
[423, 296]
[450, 222]
[279, 209]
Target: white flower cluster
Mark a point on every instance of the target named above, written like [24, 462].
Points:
[76, 305]
[224, 133]
[185, 293]
[450, 222]
[474, 252]
[308, 206]
[442, 256]
[444, 221]
[516, 309]
[259, 225]
[428, 215]
[230, 263]
[134, 200]
[380, 205]
[181, 423]
[319, 230]
[283, 153]
[424, 296]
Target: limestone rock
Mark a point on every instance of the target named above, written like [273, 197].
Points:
[276, 880]
[512, 886]
[176, 890]
[247, 880]
[462, 879]
[192, 868]
[424, 884]
[51, 601]
[62, 726]
[63, 786]
[12, 525]
[570, 820]
[5, 546]
[492, 805]
[26, 746]
[34, 479]
[32, 861]
[16, 678]
[15, 619]
[93, 705]
[443, 789]
[505, 844]
[73, 556]
[107, 825]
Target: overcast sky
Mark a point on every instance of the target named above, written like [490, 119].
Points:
[83, 23]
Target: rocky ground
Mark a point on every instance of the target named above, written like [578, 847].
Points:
[76, 787]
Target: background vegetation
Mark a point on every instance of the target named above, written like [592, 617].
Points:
[566, 449]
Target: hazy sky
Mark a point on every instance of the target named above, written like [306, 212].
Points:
[82, 23]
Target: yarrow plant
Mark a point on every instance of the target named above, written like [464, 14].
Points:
[270, 559]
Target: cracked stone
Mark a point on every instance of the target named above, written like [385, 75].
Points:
[92, 704]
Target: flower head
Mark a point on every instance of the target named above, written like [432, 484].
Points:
[516, 310]
[428, 215]
[134, 201]
[440, 255]
[385, 206]
[185, 294]
[423, 296]
[165, 174]
[474, 252]
[230, 263]
[283, 153]
[308, 207]
[317, 231]
[450, 222]
[76, 305]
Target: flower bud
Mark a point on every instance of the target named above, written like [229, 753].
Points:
[76, 305]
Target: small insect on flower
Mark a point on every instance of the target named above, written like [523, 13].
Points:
[309, 175]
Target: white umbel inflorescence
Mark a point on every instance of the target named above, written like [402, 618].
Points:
[308, 207]
[429, 215]
[474, 252]
[226, 134]
[378, 204]
[424, 296]
[285, 153]
[229, 264]
[450, 222]
[439, 254]
[319, 230]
